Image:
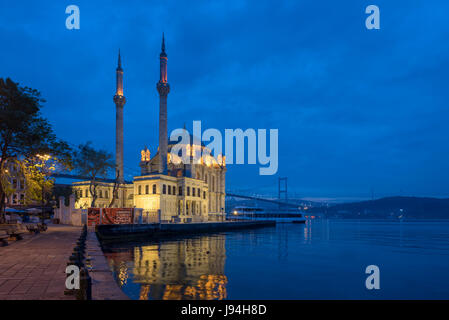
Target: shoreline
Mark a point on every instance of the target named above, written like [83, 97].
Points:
[104, 286]
[124, 232]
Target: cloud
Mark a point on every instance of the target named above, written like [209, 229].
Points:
[354, 108]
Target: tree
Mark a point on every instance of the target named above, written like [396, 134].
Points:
[93, 164]
[24, 133]
[115, 190]
[61, 190]
[38, 172]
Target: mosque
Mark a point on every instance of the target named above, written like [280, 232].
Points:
[175, 191]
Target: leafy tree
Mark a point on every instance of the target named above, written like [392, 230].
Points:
[24, 134]
[93, 164]
[61, 190]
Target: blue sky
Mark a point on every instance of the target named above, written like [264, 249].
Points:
[357, 110]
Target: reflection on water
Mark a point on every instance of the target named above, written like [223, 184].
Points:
[191, 268]
[322, 259]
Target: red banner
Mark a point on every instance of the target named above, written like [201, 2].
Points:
[93, 216]
[117, 216]
[110, 216]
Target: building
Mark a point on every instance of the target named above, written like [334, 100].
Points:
[18, 194]
[180, 191]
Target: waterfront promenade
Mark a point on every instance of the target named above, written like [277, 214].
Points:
[34, 268]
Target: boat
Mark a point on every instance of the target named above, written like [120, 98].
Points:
[255, 213]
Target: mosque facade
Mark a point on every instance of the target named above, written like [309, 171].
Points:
[167, 187]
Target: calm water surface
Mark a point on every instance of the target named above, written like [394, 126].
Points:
[324, 259]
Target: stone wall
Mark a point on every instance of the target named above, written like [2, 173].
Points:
[68, 214]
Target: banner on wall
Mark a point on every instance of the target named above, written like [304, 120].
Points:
[117, 216]
[98, 216]
[93, 216]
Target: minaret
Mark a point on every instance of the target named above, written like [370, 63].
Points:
[163, 88]
[119, 100]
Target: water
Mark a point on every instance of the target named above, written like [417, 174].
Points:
[324, 259]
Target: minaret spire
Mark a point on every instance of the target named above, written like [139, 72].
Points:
[119, 100]
[119, 64]
[163, 44]
[163, 88]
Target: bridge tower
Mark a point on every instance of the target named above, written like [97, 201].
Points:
[282, 190]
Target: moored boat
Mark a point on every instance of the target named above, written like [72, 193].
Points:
[254, 213]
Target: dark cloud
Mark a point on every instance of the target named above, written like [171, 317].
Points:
[356, 109]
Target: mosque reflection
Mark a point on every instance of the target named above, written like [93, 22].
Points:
[190, 268]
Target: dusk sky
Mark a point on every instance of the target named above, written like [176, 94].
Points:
[357, 110]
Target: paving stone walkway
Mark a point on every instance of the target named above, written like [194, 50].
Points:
[34, 268]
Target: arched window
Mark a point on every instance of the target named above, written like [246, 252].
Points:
[180, 190]
[147, 189]
[169, 189]
[154, 188]
[100, 194]
[164, 189]
[106, 194]
[139, 188]
[87, 193]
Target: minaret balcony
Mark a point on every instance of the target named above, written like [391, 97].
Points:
[163, 88]
[119, 100]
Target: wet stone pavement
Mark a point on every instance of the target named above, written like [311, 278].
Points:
[34, 268]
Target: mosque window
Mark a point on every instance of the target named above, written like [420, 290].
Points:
[154, 189]
[180, 190]
[164, 189]
[139, 190]
[100, 195]
[193, 192]
[199, 192]
[204, 196]
[188, 191]
[87, 192]
[174, 190]
[169, 189]
[147, 189]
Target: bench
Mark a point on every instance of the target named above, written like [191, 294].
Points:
[14, 231]
[3, 238]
